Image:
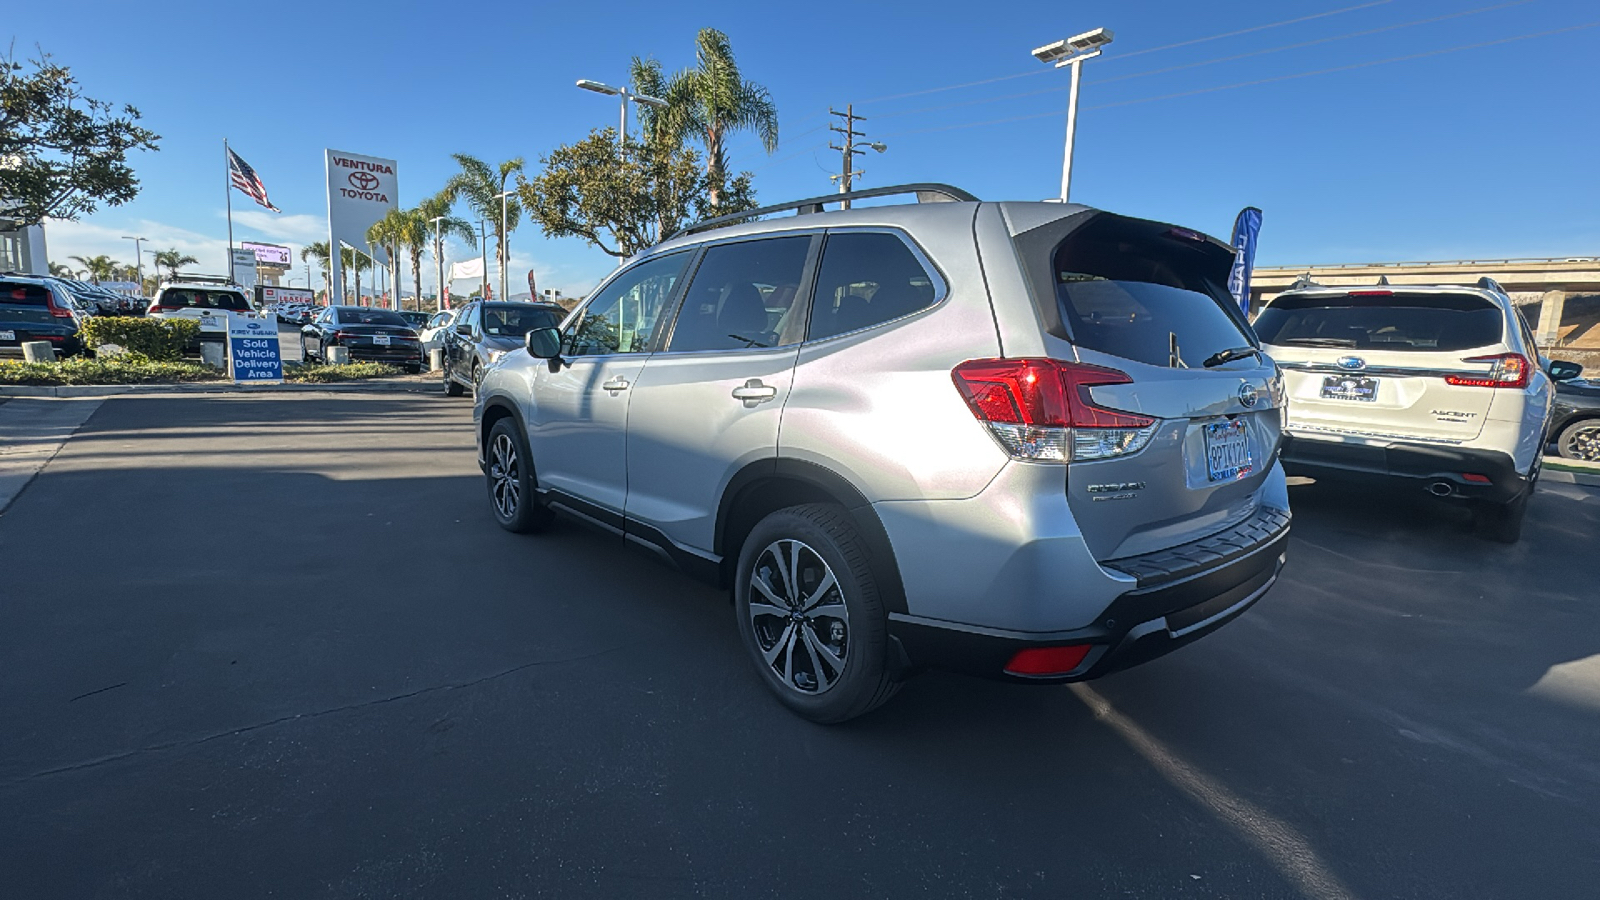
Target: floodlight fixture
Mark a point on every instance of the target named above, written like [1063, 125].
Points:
[1072, 52]
[597, 87]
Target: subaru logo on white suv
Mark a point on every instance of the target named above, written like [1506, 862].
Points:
[918, 408]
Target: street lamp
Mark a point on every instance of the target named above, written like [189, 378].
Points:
[1072, 52]
[138, 259]
[438, 259]
[626, 95]
[504, 257]
[483, 258]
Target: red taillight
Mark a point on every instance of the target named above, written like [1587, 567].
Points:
[1370, 294]
[1047, 660]
[60, 312]
[159, 309]
[1509, 370]
[342, 335]
[1040, 409]
[1475, 478]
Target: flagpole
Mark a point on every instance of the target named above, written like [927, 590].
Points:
[227, 190]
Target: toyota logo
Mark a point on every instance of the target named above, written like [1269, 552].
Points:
[363, 181]
[1248, 396]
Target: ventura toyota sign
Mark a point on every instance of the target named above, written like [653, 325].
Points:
[361, 190]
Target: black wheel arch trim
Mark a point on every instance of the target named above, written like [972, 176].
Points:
[880, 552]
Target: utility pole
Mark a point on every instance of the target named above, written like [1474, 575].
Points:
[850, 148]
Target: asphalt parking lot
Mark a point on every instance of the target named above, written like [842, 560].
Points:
[274, 645]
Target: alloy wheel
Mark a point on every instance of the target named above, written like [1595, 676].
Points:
[505, 475]
[1582, 443]
[799, 616]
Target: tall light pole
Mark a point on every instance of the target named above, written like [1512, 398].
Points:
[483, 259]
[438, 260]
[1073, 52]
[138, 259]
[505, 257]
[625, 95]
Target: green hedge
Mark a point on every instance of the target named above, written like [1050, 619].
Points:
[326, 374]
[161, 340]
[125, 369]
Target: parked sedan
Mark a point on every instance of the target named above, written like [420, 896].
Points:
[32, 309]
[484, 332]
[366, 334]
[433, 332]
[1575, 421]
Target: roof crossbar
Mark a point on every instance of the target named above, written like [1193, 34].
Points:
[926, 192]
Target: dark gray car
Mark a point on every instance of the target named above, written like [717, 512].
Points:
[484, 333]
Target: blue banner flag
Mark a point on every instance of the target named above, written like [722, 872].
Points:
[1245, 230]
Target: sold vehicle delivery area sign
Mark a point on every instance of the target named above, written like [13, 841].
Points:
[253, 355]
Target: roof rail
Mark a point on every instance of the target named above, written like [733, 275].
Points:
[1489, 284]
[1304, 281]
[927, 192]
[202, 279]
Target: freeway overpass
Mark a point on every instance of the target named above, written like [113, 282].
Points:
[1546, 282]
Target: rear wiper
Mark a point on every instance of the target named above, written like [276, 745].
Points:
[1228, 356]
[1320, 342]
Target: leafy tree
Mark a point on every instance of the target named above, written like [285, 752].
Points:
[318, 251]
[421, 223]
[64, 154]
[99, 268]
[478, 184]
[63, 271]
[708, 102]
[624, 199]
[172, 260]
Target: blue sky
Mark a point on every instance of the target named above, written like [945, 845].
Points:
[1475, 153]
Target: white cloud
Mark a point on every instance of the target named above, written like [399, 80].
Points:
[66, 239]
[295, 229]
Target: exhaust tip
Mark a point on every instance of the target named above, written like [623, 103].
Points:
[1441, 489]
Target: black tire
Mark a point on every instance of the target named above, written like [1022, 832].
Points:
[305, 355]
[414, 369]
[512, 497]
[477, 377]
[451, 388]
[1580, 440]
[810, 684]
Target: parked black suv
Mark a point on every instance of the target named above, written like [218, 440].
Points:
[32, 310]
[487, 331]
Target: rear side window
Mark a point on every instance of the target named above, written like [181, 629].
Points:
[17, 294]
[742, 296]
[1145, 292]
[1414, 322]
[517, 321]
[866, 279]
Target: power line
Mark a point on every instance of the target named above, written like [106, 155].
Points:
[1214, 37]
[1261, 81]
[1221, 59]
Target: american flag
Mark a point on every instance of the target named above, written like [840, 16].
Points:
[246, 179]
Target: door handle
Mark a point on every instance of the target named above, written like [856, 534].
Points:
[754, 390]
[616, 384]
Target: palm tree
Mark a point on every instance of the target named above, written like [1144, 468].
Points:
[479, 185]
[60, 271]
[435, 207]
[100, 268]
[172, 260]
[390, 233]
[710, 102]
[319, 251]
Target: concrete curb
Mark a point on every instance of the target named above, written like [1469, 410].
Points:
[375, 385]
[1567, 471]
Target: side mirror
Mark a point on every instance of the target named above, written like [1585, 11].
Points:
[544, 343]
[464, 330]
[1561, 370]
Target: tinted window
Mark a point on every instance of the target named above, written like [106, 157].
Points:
[24, 294]
[198, 299]
[516, 319]
[621, 317]
[358, 315]
[866, 279]
[742, 296]
[1444, 322]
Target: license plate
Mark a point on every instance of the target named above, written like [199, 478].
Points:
[382, 340]
[8, 335]
[1350, 387]
[211, 323]
[1228, 450]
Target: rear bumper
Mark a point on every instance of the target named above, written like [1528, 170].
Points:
[1182, 594]
[1423, 465]
[396, 355]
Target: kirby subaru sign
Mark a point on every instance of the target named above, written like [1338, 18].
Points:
[253, 349]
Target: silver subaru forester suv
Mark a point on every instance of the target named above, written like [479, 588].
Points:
[1029, 441]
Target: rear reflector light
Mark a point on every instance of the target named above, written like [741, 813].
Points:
[1509, 370]
[1475, 478]
[1040, 409]
[159, 309]
[1047, 660]
[1371, 294]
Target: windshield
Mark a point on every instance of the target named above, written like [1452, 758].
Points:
[358, 315]
[1418, 323]
[517, 321]
[185, 298]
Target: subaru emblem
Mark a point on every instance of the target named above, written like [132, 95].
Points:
[1352, 362]
[1248, 395]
